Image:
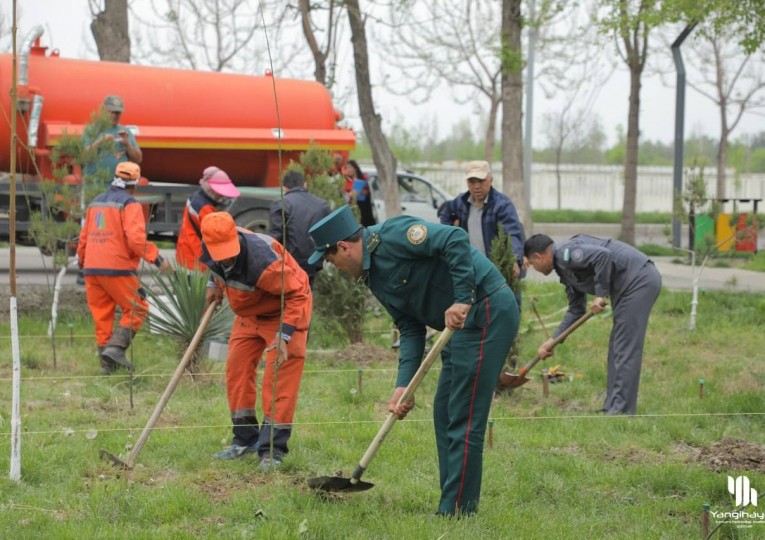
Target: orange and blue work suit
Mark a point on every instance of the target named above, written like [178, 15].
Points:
[253, 286]
[112, 243]
[188, 249]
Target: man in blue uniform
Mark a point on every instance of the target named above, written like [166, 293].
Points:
[611, 269]
[427, 274]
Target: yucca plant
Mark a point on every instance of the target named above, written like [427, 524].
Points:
[179, 300]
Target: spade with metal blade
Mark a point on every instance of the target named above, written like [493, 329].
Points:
[354, 483]
[508, 380]
[130, 462]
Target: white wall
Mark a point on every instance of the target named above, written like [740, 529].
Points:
[593, 187]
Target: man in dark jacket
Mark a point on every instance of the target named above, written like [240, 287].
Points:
[605, 268]
[301, 211]
[481, 210]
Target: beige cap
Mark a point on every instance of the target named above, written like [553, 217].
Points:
[477, 169]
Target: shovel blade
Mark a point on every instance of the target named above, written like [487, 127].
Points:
[508, 380]
[108, 456]
[338, 483]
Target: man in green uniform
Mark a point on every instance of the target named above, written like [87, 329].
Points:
[427, 274]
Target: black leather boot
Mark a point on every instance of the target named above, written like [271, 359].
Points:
[115, 349]
[107, 366]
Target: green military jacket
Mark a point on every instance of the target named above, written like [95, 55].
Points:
[417, 270]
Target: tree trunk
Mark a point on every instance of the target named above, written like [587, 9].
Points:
[513, 184]
[558, 156]
[356, 331]
[110, 30]
[383, 157]
[631, 159]
[319, 57]
[491, 129]
[722, 152]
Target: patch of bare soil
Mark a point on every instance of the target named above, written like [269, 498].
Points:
[34, 300]
[733, 455]
[365, 354]
[632, 456]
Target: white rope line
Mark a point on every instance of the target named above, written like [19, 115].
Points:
[414, 421]
[210, 373]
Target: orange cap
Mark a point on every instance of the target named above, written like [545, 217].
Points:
[220, 236]
[127, 170]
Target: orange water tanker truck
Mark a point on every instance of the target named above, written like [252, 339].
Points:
[184, 121]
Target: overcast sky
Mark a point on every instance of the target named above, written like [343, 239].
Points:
[66, 25]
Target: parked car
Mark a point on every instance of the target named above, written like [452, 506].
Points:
[419, 196]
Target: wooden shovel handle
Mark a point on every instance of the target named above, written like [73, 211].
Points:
[171, 385]
[533, 303]
[563, 335]
[443, 339]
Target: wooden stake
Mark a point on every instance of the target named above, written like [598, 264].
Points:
[491, 433]
[705, 522]
[15, 465]
[701, 388]
[361, 375]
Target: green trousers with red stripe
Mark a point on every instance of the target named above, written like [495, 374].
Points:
[472, 362]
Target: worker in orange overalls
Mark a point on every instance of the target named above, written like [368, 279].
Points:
[216, 192]
[255, 270]
[112, 243]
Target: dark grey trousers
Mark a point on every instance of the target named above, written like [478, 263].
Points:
[625, 348]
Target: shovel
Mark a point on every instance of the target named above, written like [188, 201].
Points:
[508, 380]
[354, 483]
[130, 462]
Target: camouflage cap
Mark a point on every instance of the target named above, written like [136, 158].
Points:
[114, 104]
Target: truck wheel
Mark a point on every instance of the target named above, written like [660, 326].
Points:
[254, 220]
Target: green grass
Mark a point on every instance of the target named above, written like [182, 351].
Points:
[596, 216]
[555, 469]
[756, 263]
[657, 250]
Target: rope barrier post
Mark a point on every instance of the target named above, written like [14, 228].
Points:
[71, 334]
[705, 521]
[361, 376]
[491, 433]
[701, 388]
[545, 384]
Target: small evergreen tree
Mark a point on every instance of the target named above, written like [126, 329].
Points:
[55, 227]
[501, 254]
[338, 297]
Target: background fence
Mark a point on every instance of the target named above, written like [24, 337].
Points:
[596, 187]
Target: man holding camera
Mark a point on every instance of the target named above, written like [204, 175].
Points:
[112, 143]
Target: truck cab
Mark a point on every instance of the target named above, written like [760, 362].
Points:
[419, 196]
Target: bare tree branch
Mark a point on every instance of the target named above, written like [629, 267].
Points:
[728, 79]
